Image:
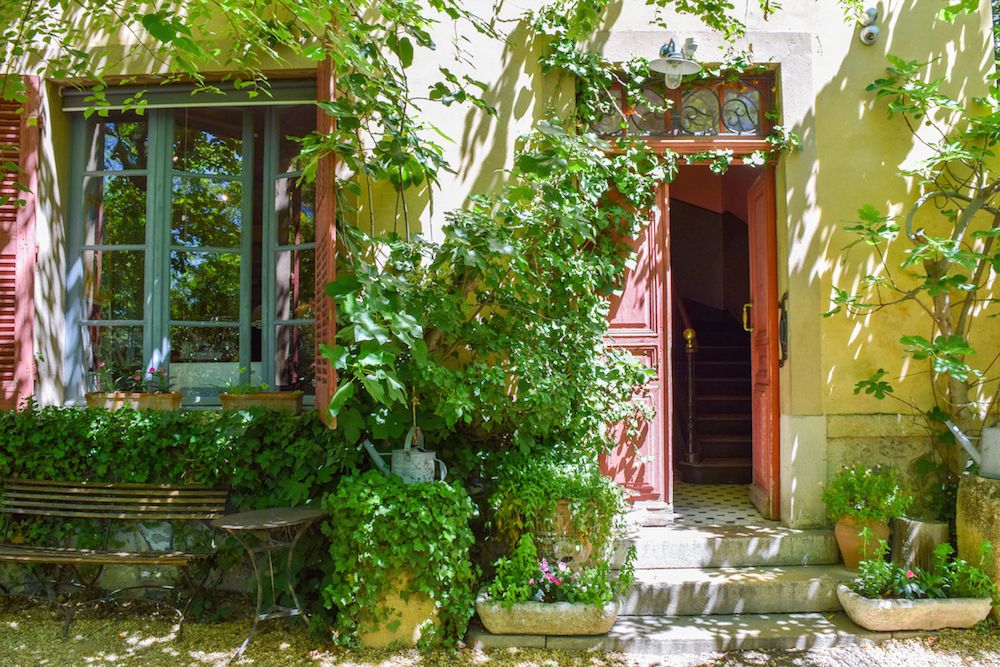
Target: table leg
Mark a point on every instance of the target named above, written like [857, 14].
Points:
[260, 595]
[288, 573]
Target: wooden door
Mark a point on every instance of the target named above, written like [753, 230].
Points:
[18, 183]
[640, 323]
[763, 318]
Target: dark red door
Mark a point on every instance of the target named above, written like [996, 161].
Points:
[762, 316]
[639, 323]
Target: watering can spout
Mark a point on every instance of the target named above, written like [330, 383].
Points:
[376, 457]
[964, 441]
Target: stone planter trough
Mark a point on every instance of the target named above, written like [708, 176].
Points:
[112, 400]
[546, 618]
[894, 615]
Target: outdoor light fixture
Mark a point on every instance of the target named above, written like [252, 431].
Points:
[674, 65]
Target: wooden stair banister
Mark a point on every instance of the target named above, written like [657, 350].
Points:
[692, 453]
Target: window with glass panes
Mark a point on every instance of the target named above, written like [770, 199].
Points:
[197, 246]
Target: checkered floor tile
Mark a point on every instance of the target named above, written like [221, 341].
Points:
[715, 505]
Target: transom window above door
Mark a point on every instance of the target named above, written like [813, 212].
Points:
[704, 109]
[197, 246]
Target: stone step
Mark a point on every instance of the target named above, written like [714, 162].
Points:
[724, 470]
[657, 635]
[723, 353]
[721, 446]
[723, 370]
[745, 590]
[686, 547]
[724, 423]
[722, 402]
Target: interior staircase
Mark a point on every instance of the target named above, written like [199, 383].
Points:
[722, 400]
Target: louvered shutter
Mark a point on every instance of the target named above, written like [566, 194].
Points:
[18, 146]
[326, 249]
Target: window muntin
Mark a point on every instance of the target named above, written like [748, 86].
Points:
[704, 109]
[198, 246]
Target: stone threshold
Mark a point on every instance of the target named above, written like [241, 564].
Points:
[658, 635]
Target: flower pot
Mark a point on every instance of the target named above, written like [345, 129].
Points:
[546, 618]
[407, 620]
[897, 614]
[852, 544]
[282, 401]
[112, 400]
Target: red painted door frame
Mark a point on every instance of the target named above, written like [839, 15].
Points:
[640, 322]
[765, 492]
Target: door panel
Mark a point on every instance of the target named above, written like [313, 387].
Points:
[639, 323]
[764, 491]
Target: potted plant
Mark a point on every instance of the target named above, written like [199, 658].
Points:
[888, 597]
[533, 596]
[137, 389]
[401, 573]
[572, 510]
[243, 395]
[863, 501]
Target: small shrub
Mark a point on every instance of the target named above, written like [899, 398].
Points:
[523, 577]
[863, 493]
[528, 490]
[948, 577]
[381, 529]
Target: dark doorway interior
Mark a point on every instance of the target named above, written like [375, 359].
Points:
[710, 275]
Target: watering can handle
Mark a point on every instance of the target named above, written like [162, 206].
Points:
[414, 438]
[444, 469]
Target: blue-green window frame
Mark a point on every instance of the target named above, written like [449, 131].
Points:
[158, 246]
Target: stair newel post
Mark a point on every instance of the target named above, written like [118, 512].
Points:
[693, 454]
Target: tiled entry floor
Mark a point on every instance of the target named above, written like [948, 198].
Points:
[714, 505]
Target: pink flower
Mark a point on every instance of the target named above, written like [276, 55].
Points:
[100, 364]
[531, 582]
[557, 582]
[136, 377]
[563, 567]
[910, 574]
[545, 565]
[152, 370]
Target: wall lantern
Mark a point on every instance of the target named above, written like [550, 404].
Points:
[673, 65]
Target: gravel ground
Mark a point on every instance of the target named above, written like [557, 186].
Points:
[33, 638]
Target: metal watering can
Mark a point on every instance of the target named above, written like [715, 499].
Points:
[988, 453]
[412, 462]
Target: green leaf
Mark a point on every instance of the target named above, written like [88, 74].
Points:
[341, 396]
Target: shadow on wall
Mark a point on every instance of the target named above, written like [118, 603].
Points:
[855, 152]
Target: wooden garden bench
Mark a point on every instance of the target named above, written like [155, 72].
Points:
[106, 503]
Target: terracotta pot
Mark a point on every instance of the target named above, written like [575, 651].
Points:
[852, 545]
[112, 400]
[893, 615]
[546, 618]
[282, 401]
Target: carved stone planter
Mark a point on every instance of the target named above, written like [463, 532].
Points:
[282, 401]
[546, 618]
[112, 400]
[893, 615]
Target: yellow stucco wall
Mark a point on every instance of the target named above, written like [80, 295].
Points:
[850, 152]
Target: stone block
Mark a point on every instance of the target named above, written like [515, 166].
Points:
[977, 519]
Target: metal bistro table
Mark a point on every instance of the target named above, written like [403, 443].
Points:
[278, 528]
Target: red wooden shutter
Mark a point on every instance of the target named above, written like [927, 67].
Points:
[326, 248]
[18, 146]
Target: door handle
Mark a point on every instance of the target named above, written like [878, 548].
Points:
[747, 307]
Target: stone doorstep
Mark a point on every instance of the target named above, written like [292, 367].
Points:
[658, 635]
[746, 590]
[680, 546]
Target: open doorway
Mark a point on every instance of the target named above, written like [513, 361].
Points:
[721, 271]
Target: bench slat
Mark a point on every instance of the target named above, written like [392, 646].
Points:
[173, 515]
[31, 554]
[153, 510]
[91, 491]
[109, 485]
[16, 497]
